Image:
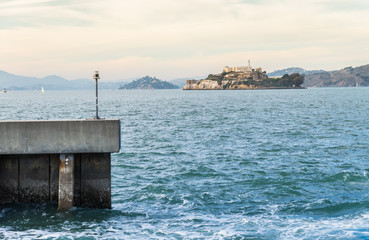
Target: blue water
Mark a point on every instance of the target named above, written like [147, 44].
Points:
[273, 164]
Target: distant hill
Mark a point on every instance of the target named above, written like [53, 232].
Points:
[17, 82]
[289, 71]
[347, 77]
[148, 82]
[181, 82]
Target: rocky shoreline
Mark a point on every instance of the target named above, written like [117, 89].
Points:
[229, 85]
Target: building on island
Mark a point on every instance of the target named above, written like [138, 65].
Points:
[228, 69]
[244, 69]
[244, 72]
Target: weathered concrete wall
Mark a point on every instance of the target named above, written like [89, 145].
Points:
[34, 184]
[64, 136]
[34, 166]
[9, 178]
[95, 180]
[54, 177]
[35, 179]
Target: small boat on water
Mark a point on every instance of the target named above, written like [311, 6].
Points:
[4, 90]
[42, 89]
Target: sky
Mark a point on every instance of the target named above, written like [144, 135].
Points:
[171, 39]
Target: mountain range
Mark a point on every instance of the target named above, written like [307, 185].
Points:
[16, 82]
[347, 77]
[289, 71]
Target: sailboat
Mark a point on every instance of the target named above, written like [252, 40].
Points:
[42, 89]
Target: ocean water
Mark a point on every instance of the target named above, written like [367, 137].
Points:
[264, 164]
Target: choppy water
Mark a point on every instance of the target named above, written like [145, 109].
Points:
[274, 164]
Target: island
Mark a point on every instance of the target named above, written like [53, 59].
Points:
[148, 82]
[347, 77]
[245, 77]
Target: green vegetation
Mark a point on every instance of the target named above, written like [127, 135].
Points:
[293, 80]
[287, 81]
[149, 83]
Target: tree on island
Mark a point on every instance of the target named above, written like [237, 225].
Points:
[293, 80]
[287, 81]
[148, 82]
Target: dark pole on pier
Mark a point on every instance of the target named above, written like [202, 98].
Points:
[96, 77]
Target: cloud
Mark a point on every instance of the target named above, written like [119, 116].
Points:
[177, 37]
[41, 13]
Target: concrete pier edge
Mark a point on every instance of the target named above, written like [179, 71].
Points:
[68, 161]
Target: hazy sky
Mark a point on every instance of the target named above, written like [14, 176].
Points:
[179, 38]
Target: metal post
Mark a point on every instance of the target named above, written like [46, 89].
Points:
[96, 77]
[97, 102]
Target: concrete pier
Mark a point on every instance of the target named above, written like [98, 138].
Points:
[61, 161]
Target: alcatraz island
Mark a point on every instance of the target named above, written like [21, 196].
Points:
[245, 78]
